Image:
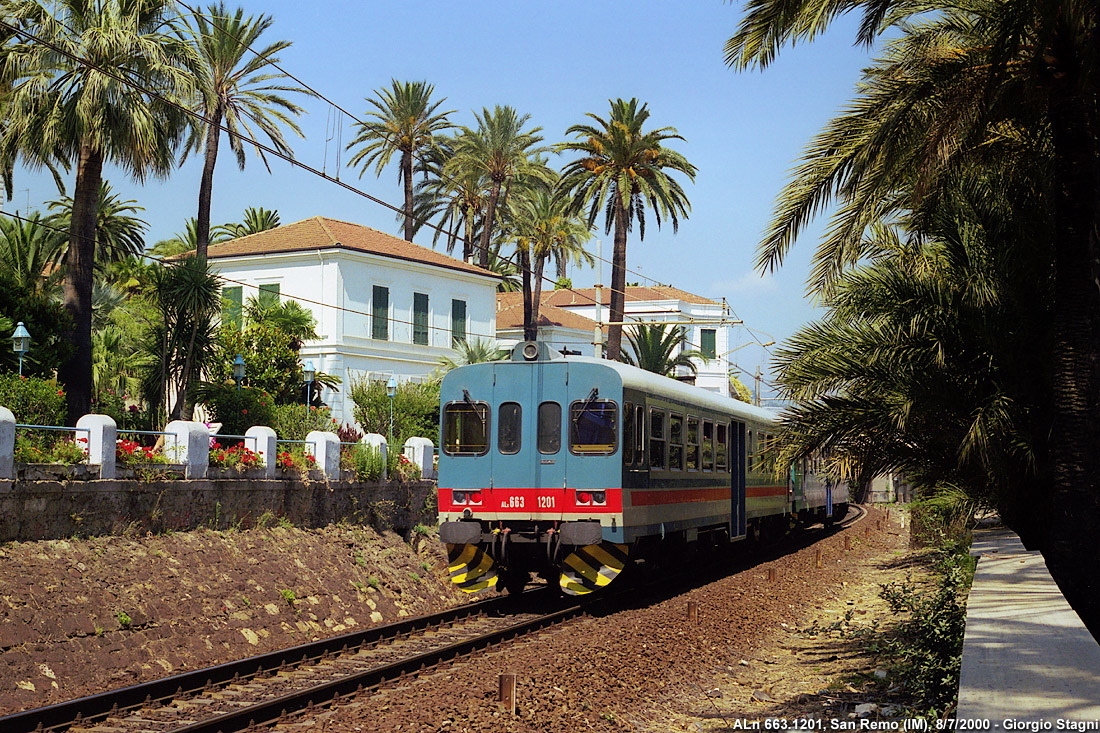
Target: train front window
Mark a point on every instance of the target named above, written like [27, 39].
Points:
[466, 428]
[549, 437]
[593, 427]
[508, 428]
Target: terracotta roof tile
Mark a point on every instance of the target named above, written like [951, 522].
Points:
[587, 296]
[318, 233]
[510, 315]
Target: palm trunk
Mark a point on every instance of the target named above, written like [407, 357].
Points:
[618, 283]
[536, 286]
[530, 327]
[487, 225]
[206, 185]
[468, 238]
[407, 175]
[1072, 510]
[76, 372]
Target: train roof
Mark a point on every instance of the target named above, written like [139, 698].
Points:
[643, 381]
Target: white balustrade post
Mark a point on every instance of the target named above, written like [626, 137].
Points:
[261, 439]
[325, 448]
[7, 444]
[379, 443]
[188, 443]
[102, 436]
[421, 453]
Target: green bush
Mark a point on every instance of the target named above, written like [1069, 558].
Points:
[294, 422]
[367, 462]
[237, 410]
[126, 417]
[33, 446]
[415, 410]
[33, 400]
[270, 358]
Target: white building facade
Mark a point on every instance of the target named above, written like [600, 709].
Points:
[384, 307]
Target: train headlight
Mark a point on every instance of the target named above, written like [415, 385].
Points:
[583, 497]
[458, 497]
[530, 351]
[474, 497]
[599, 497]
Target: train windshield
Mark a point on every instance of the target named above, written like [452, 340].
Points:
[592, 427]
[466, 428]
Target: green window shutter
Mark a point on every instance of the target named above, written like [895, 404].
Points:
[269, 292]
[458, 322]
[380, 314]
[232, 300]
[707, 337]
[420, 318]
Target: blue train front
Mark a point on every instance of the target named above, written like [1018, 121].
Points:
[566, 467]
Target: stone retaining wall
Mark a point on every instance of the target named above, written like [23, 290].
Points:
[51, 509]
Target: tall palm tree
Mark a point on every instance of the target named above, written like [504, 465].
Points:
[119, 233]
[187, 240]
[31, 252]
[1026, 71]
[237, 88]
[503, 151]
[454, 193]
[79, 72]
[471, 351]
[622, 169]
[255, 220]
[404, 120]
[659, 349]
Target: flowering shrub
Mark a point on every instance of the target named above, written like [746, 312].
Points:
[37, 448]
[295, 460]
[33, 400]
[129, 453]
[237, 410]
[235, 456]
[405, 470]
[294, 422]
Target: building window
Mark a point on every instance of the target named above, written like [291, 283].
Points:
[380, 314]
[707, 342]
[231, 307]
[420, 318]
[269, 294]
[458, 322]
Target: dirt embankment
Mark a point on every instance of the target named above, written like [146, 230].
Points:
[78, 617]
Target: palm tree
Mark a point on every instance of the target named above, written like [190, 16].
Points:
[237, 89]
[542, 228]
[187, 240]
[502, 151]
[453, 192]
[622, 169]
[255, 220]
[289, 317]
[119, 233]
[472, 351]
[660, 350]
[404, 120]
[78, 75]
[1019, 77]
[31, 252]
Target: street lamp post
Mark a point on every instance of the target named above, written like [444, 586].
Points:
[238, 371]
[21, 343]
[308, 375]
[391, 390]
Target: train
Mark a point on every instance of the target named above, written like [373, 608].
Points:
[571, 468]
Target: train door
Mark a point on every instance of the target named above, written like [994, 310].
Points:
[738, 528]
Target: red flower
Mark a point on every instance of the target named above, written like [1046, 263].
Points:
[245, 411]
[60, 393]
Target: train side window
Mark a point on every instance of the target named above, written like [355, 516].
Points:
[675, 442]
[708, 445]
[593, 427]
[549, 437]
[721, 450]
[628, 433]
[510, 418]
[657, 439]
[466, 428]
[693, 444]
[639, 435]
[749, 448]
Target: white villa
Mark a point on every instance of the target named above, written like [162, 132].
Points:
[708, 323]
[384, 307]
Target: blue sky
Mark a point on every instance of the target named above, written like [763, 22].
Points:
[556, 61]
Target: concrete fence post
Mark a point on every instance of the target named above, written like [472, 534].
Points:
[102, 436]
[7, 444]
[378, 443]
[421, 452]
[325, 448]
[261, 439]
[188, 443]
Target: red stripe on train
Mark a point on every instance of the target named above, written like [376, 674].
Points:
[647, 497]
[758, 492]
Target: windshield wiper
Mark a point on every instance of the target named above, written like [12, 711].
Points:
[473, 406]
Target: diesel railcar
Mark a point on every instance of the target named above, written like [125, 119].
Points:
[569, 467]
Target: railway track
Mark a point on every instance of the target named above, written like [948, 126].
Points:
[267, 688]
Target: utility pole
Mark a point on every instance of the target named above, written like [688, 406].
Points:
[756, 395]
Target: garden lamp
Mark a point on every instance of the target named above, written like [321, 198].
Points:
[238, 371]
[308, 374]
[21, 343]
[391, 390]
